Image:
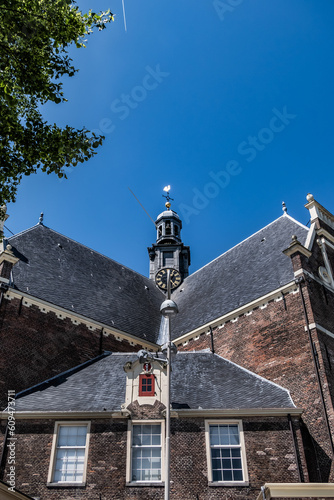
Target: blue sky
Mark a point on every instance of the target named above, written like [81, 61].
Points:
[229, 101]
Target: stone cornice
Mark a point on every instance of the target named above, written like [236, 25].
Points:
[317, 211]
[182, 413]
[237, 412]
[296, 490]
[296, 247]
[68, 415]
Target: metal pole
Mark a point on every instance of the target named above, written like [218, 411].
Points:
[169, 358]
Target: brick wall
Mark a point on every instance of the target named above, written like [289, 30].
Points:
[269, 452]
[37, 346]
[273, 343]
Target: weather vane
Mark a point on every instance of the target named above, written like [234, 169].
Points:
[168, 198]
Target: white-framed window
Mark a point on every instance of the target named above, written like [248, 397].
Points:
[69, 453]
[226, 452]
[145, 452]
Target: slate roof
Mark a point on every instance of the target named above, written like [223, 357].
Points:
[244, 273]
[63, 272]
[199, 380]
[68, 274]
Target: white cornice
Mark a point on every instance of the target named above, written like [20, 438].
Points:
[237, 412]
[327, 235]
[320, 328]
[182, 413]
[317, 211]
[76, 318]
[296, 490]
[315, 278]
[45, 415]
[240, 311]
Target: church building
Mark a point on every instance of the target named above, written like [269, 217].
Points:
[252, 383]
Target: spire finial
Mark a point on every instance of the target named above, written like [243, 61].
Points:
[285, 210]
[168, 198]
[41, 218]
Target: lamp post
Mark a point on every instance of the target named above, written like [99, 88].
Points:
[168, 309]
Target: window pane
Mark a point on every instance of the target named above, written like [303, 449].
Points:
[238, 475]
[227, 475]
[146, 453]
[225, 452]
[70, 453]
[216, 475]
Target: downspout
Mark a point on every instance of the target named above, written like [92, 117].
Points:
[212, 344]
[299, 281]
[3, 453]
[294, 440]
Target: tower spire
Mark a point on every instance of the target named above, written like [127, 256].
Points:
[168, 251]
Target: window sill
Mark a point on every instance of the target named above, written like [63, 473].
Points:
[148, 483]
[229, 483]
[66, 485]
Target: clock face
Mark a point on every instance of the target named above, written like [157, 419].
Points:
[161, 278]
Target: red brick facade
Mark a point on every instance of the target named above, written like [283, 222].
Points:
[288, 340]
[269, 452]
[36, 346]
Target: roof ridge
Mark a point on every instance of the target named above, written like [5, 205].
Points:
[26, 231]
[248, 237]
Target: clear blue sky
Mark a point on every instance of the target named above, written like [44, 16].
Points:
[231, 103]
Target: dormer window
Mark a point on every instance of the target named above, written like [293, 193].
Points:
[146, 385]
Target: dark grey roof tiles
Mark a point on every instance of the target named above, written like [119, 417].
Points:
[199, 380]
[244, 273]
[61, 271]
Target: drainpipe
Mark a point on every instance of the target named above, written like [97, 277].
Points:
[299, 281]
[294, 440]
[3, 453]
[212, 344]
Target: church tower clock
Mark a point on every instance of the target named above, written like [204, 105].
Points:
[168, 251]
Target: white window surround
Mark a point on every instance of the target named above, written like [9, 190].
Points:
[131, 424]
[56, 449]
[240, 446]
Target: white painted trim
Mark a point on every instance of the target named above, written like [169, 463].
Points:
[54, 450]
[76, 318]
[34, 415]
[242, 448]
[243, 310]
[237, 412]
[297, 490]
[327, 235]
[129, 451]
[322, 245]
[7, 494]
[315, 278]
[321, 328]
[310, 237]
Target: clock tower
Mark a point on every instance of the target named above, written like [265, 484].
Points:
[168, 251]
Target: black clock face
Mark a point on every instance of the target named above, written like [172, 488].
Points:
[161, 278]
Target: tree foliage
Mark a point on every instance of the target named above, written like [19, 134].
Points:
[35, 36]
